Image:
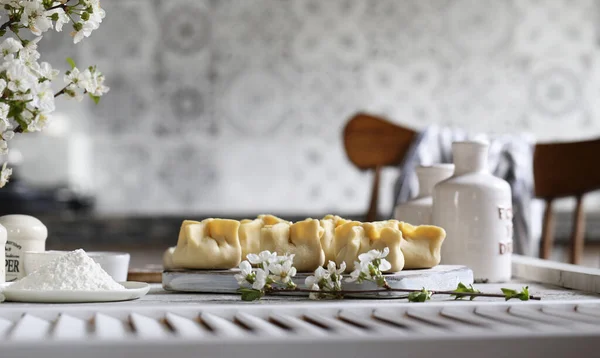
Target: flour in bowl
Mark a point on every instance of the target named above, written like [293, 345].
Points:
[74, 271]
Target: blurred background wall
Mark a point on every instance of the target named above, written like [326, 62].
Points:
[237, 105]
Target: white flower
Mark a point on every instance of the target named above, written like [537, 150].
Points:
[314, 295]
[4, 125]
[319, 274]
[4, 108]
[8, 135]
[20, 77]
[3, 147]
[5, 174]
[73, 92]
[46, 71]
[245, 271]
[95, 83]
[260, 280]
[73, 76]
[373, 255]
[43, 96]
[361, 272]
[2, 86]
[10, 46]
[38, 122]
[62, 18]
[282, 272]
[85, 31]
[262, 259]
[35, 17]
[332, 268]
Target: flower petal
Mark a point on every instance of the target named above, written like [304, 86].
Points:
[254, 259]
[310, 281]
[384, 265]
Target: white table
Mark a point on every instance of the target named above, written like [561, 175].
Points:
[173, 325]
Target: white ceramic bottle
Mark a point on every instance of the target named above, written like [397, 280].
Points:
[475, 209]
[2, 254]
[24, 233]
[418, 210]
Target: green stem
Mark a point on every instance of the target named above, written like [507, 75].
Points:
[390, 289]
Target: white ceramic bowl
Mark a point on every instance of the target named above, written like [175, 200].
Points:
[116, 264]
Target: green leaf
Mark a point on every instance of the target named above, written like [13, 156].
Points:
[96, 99]
[419, 296]
[250, 294]
[71, 62]
[462, 288]
[522, 295]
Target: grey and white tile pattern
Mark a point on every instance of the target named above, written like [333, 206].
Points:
[237, 105]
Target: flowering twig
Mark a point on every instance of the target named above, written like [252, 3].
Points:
[26, 96]
[273, 275]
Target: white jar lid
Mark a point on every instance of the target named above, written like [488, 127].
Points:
[2, 235]
[24, 227]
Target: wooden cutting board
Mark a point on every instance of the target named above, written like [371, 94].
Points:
[442, 277]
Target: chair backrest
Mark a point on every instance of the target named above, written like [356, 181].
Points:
[566, 169]
[372, 142]
[563, 170]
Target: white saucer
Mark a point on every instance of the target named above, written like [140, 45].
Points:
[133, 291]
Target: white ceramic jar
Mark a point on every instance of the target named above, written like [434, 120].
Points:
[2, 255]
[475, 209]
[24, 233]
[418, 210]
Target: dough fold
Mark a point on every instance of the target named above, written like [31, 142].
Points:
[303, 239]
[329, 223]
[421, 245]
[209, 244]
[354, 238]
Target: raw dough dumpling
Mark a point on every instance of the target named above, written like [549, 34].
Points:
[209, 244]
[348, 241]
[168, 258]
[303, 239]
[250, 233]
[354, 238]
[329, 223]
[421, 245]
[384, 234]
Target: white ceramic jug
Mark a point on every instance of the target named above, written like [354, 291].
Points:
[475, 209]
[418, 210]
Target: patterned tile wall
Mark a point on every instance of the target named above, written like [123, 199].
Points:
[237, 105]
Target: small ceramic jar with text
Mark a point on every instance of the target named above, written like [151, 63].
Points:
[24, 233]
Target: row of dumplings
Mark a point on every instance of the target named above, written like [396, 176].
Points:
[224, 243]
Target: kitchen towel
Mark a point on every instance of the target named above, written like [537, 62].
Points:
[510, 158]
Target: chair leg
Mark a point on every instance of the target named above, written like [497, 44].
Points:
[547, 231]
[578, 233]
[372, 213]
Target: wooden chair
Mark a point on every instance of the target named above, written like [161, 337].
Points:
[564, 170]
[372, 143]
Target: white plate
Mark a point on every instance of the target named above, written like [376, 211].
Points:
[133, 291]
